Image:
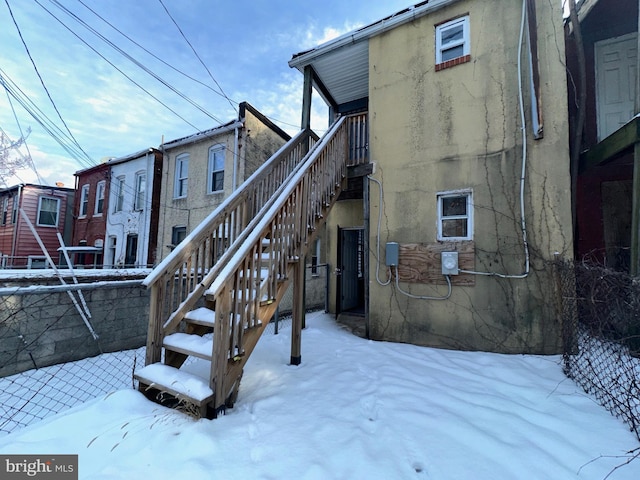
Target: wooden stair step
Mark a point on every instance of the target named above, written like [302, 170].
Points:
[201, 347]
[201, 316]
[181, 385]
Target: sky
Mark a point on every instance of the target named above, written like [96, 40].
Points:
[354, 409]
[241, 51]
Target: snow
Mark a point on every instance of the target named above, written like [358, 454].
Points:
[354, 409]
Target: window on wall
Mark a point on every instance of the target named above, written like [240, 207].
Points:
[182, 176]
[178, 234]
[131, 251]
[111, 250]
[48, 211]
[216, 169]
[141, 188]
[455, 215]
[5, 210]
[84, 201]
[119, 203]
[452, 42]
[99, 206]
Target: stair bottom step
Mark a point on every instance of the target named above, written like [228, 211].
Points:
[178, 383]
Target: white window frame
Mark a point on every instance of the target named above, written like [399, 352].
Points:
[181, 179]
[118, 205]
[442, 29]
[468, 193]
[84, 201]
[141, 191]
[112, 245]
[57, 219]
[98, 208]
[211, 169]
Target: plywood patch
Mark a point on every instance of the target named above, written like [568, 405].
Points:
[420, 263]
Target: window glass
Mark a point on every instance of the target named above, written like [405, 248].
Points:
[452, 40]
[48, 211]
[99, 198]
[84, 201]
[455, 216]
[216, 169]
[181, 177]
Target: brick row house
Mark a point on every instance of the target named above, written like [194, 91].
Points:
[48, 210]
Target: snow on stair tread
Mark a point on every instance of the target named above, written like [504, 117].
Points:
[201, 316]
[193, 344]
[158, 375]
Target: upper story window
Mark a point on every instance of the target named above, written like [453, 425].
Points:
[182, 176]
[99, 206]
[84, 201]
[455, 215]
[452, 43]
[216, 169]
[5, 211]
[48, 211]
[119, 203]
[141, 188]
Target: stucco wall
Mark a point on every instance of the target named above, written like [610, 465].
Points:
[459, 128]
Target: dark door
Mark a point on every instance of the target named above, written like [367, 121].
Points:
[131, 253]
[349, 269]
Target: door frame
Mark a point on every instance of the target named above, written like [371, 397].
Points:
[360, 252]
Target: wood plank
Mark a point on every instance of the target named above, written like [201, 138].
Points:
[420, 263]
[180, 384]
[606, 151]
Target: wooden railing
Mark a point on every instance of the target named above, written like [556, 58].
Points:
[181, 279]
[248, 288]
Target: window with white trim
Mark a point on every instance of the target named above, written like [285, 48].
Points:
[112, 243]
[455, 215]
[118, 205]
[216, 169]
[141, 188]
[452, 40]
[99, 206]
[48, 211]
[181, 176]
[84, 201]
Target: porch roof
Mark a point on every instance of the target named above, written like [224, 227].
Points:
[341, 66]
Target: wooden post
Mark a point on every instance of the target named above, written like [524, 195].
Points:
[220, 356]
[298, 312]
[306, 98]
[365, 247]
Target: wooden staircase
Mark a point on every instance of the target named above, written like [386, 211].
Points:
[213, 297]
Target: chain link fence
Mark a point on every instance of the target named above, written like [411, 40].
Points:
[601, 319]
[34, 326]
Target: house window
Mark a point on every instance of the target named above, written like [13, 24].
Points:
[119, 203]
[452, 42]
[315, 258]
[182, 175]
[455, 215]
[141, 187]
[111, 251]
[216, 169]
[14, 211]
[5, 210]
[84, 201]
[178, 234]
[99, 198]
[48, 209]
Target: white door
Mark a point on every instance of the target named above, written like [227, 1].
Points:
[616, 60]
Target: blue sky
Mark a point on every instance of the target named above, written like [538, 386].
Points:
[245, 45]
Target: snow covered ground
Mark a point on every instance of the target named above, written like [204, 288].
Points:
[354, 409]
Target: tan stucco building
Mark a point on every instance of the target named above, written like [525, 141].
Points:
[446, 86]
[201, 170]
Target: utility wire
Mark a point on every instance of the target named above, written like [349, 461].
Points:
[198, 56]
[133, 60]
[118, 69]
[42, 82]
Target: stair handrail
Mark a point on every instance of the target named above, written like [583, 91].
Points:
[179, 281]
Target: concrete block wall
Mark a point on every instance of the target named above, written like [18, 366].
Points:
[38, 330]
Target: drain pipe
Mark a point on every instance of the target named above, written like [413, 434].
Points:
[236, 142]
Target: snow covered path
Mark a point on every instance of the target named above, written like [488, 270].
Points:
[354, 409]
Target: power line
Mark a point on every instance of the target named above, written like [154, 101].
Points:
[197, 56]
[42, 81]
